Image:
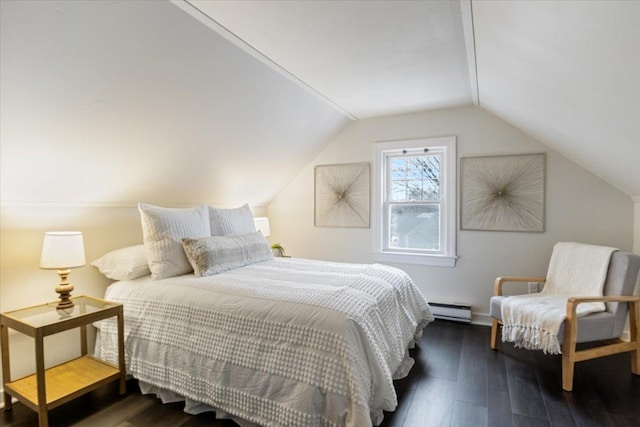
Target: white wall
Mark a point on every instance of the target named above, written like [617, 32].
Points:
[579, 207]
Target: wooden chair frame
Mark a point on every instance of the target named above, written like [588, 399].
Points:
[569, 353]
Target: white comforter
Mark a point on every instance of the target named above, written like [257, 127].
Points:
[286, 342]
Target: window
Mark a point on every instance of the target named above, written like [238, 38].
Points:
[414, 201]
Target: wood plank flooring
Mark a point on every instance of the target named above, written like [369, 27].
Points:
[457, 381]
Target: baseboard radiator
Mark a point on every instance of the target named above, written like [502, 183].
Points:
[451, 311]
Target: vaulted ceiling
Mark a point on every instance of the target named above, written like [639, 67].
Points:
[568, 73]
[114, 102]
[227, 102]
[371, 58]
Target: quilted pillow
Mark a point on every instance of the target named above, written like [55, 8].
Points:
[215, 254]
[124, 264]
[229, 222]
[162, 231]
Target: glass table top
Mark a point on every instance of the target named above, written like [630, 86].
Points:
[47, 314]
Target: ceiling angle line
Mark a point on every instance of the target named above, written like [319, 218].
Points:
[475, 52]
[466, 9]
[223, 31]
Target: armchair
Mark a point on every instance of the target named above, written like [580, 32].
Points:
[608, 325]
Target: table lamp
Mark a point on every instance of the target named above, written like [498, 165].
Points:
[262, 225]
[62, 250]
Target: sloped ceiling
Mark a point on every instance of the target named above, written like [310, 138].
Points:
[566, 72]
[372, 58]
[113, 101]
[122, 101]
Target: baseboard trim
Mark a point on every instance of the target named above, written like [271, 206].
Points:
[481, 319]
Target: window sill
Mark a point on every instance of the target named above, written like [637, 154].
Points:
[407, 258]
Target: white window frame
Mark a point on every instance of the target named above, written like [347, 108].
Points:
[446, 256]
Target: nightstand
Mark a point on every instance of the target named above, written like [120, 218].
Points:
[49, 388]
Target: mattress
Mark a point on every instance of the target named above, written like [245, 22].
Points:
[286, 342]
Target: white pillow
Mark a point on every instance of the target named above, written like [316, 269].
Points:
[229, 222]
[124, 264]
[215, 254]
[162, 231]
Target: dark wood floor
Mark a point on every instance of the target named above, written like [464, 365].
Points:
[457, 381]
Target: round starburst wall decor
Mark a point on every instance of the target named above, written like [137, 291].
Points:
[342, 195]
[503, 193]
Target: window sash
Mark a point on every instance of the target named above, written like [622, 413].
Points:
[445, 148]
[387, 246]
[388, 191]
[388, 201]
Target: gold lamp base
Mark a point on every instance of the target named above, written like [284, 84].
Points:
[64, 289]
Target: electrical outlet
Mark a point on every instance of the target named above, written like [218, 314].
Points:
[533, 288]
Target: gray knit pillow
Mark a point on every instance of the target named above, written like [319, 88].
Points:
[215, 254]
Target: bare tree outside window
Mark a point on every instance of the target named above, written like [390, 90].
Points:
[414, 202]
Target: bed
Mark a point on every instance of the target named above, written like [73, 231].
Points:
[212, 318]
[282, 342]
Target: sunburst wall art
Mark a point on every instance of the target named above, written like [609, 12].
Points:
[342, 195]
[503, 193]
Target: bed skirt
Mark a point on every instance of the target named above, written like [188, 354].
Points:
[193, 407]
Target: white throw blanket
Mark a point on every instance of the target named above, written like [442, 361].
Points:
[533, 321]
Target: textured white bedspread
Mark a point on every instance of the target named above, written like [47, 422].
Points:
[286, 342]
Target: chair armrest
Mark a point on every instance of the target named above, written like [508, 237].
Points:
[572, 303]
[497, 286]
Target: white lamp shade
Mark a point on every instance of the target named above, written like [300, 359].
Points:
[62, 250]
[262, 225]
